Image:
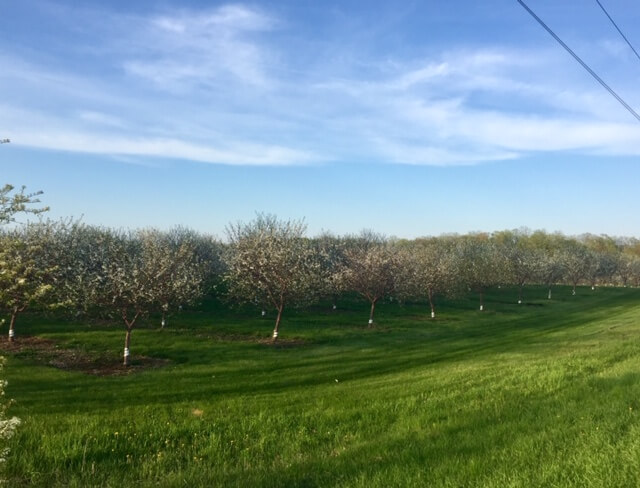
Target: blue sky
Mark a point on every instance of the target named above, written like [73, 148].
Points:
[410, 118]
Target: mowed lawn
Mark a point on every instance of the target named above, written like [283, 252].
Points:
[542, 394]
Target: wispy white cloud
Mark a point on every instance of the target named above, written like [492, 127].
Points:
[101, 143]
[188, 49]
[101, 119]
[228, 17]
[96, 133]
[224, 90]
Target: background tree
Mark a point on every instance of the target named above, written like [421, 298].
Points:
[370, 269]
[635, 272]
[603, 259]
[179, 273]
[80, 253]
[208, 252]
[519, 256]
[479, 263]
[576, 261]
[550, 269]
[427, 267]
[626, 266]
[330, 250]
[271, 262]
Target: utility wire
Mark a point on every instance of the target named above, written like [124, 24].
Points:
[618, 29]
[577, 58]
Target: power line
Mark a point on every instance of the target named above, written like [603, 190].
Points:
[577, 58]
[618, 28]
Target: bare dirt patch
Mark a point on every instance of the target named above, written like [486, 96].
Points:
[50, 353]
[282, 343]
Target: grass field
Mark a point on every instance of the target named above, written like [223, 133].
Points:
[542, 394]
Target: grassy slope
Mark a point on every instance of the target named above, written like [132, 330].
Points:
[543, 394]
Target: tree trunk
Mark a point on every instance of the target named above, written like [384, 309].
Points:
[433, 309]
[164, 319]
[14, 314]
[481, 300]
[129, 324]
[574, 289]
[127, 341]
[520, 294]
[373, 309]
[549, 295]
[277, 327]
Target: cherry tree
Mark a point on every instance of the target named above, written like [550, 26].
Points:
[575, 258]
[520, 257]
[604, 258]
[331, 252]
[550, 269]
[479, 263]
[27, 272]
[370, 268]
[126, 275]
[271, 262]
[427, 267]
[179, 272]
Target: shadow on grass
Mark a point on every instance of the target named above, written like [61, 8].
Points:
[212, 366]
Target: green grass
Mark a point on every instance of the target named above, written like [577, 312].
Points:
[542, 394]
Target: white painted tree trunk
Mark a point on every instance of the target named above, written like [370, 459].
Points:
[127, 343]
[373, 308]
[12, 325]
[277, 327]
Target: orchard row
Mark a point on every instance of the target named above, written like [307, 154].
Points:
[271, 263]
